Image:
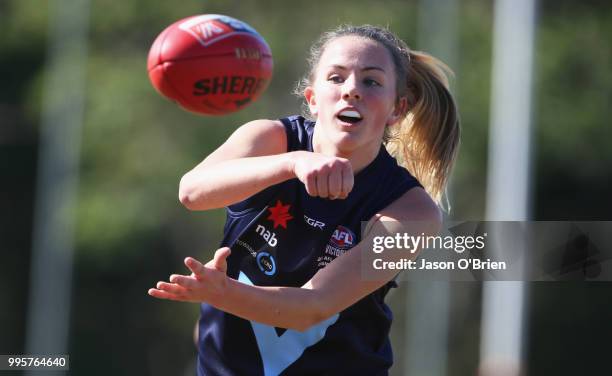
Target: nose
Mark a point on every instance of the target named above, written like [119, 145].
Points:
[350, 89]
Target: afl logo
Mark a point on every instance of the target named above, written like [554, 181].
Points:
[343, 238]
[266, 263]
[209, 28]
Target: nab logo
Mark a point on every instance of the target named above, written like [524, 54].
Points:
[343, 238]
[268, 235]
[314, 222]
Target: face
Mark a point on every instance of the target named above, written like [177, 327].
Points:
[354, 95]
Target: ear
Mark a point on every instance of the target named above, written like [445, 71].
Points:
[311, 100]
[399, 111]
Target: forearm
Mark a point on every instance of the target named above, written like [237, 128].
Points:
[231, 181]
[284, 307]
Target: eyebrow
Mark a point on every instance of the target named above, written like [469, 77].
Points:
[342, 67]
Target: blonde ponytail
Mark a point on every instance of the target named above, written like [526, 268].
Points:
[427, 140]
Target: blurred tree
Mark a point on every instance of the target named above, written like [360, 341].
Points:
[574, 93]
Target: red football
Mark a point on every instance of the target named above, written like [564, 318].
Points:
[210, 64]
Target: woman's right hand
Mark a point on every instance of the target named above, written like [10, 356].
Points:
[324, 176]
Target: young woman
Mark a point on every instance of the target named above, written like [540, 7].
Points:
[289, 296]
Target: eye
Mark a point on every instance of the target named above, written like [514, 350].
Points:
[371, 82]
[335, 79]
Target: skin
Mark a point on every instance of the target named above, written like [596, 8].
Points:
[354, 73]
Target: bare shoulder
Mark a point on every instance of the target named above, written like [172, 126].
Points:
[261, 136]
[263, 125]
[253, 139]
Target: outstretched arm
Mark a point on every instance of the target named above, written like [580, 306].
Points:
[331, 290]
[255, 157]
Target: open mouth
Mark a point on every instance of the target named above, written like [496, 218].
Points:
[349, 116]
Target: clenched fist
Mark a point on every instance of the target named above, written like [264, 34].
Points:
[324, 176]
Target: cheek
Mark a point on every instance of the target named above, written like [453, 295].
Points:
[327, 93]
[325, 102]
[384, 106]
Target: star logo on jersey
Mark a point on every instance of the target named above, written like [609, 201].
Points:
[280, 214]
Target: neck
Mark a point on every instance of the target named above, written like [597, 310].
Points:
[359, 158]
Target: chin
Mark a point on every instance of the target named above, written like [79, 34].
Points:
[347, 142]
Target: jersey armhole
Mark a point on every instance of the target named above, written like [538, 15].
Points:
[290, 130]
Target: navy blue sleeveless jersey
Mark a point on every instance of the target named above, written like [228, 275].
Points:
[281, 236]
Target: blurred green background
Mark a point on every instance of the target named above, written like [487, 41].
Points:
[131, 230]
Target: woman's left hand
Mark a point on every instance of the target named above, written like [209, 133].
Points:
[205, 284]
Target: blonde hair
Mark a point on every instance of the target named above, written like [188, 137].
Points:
[427, 139]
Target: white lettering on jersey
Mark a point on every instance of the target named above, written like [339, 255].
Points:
[314, 222]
